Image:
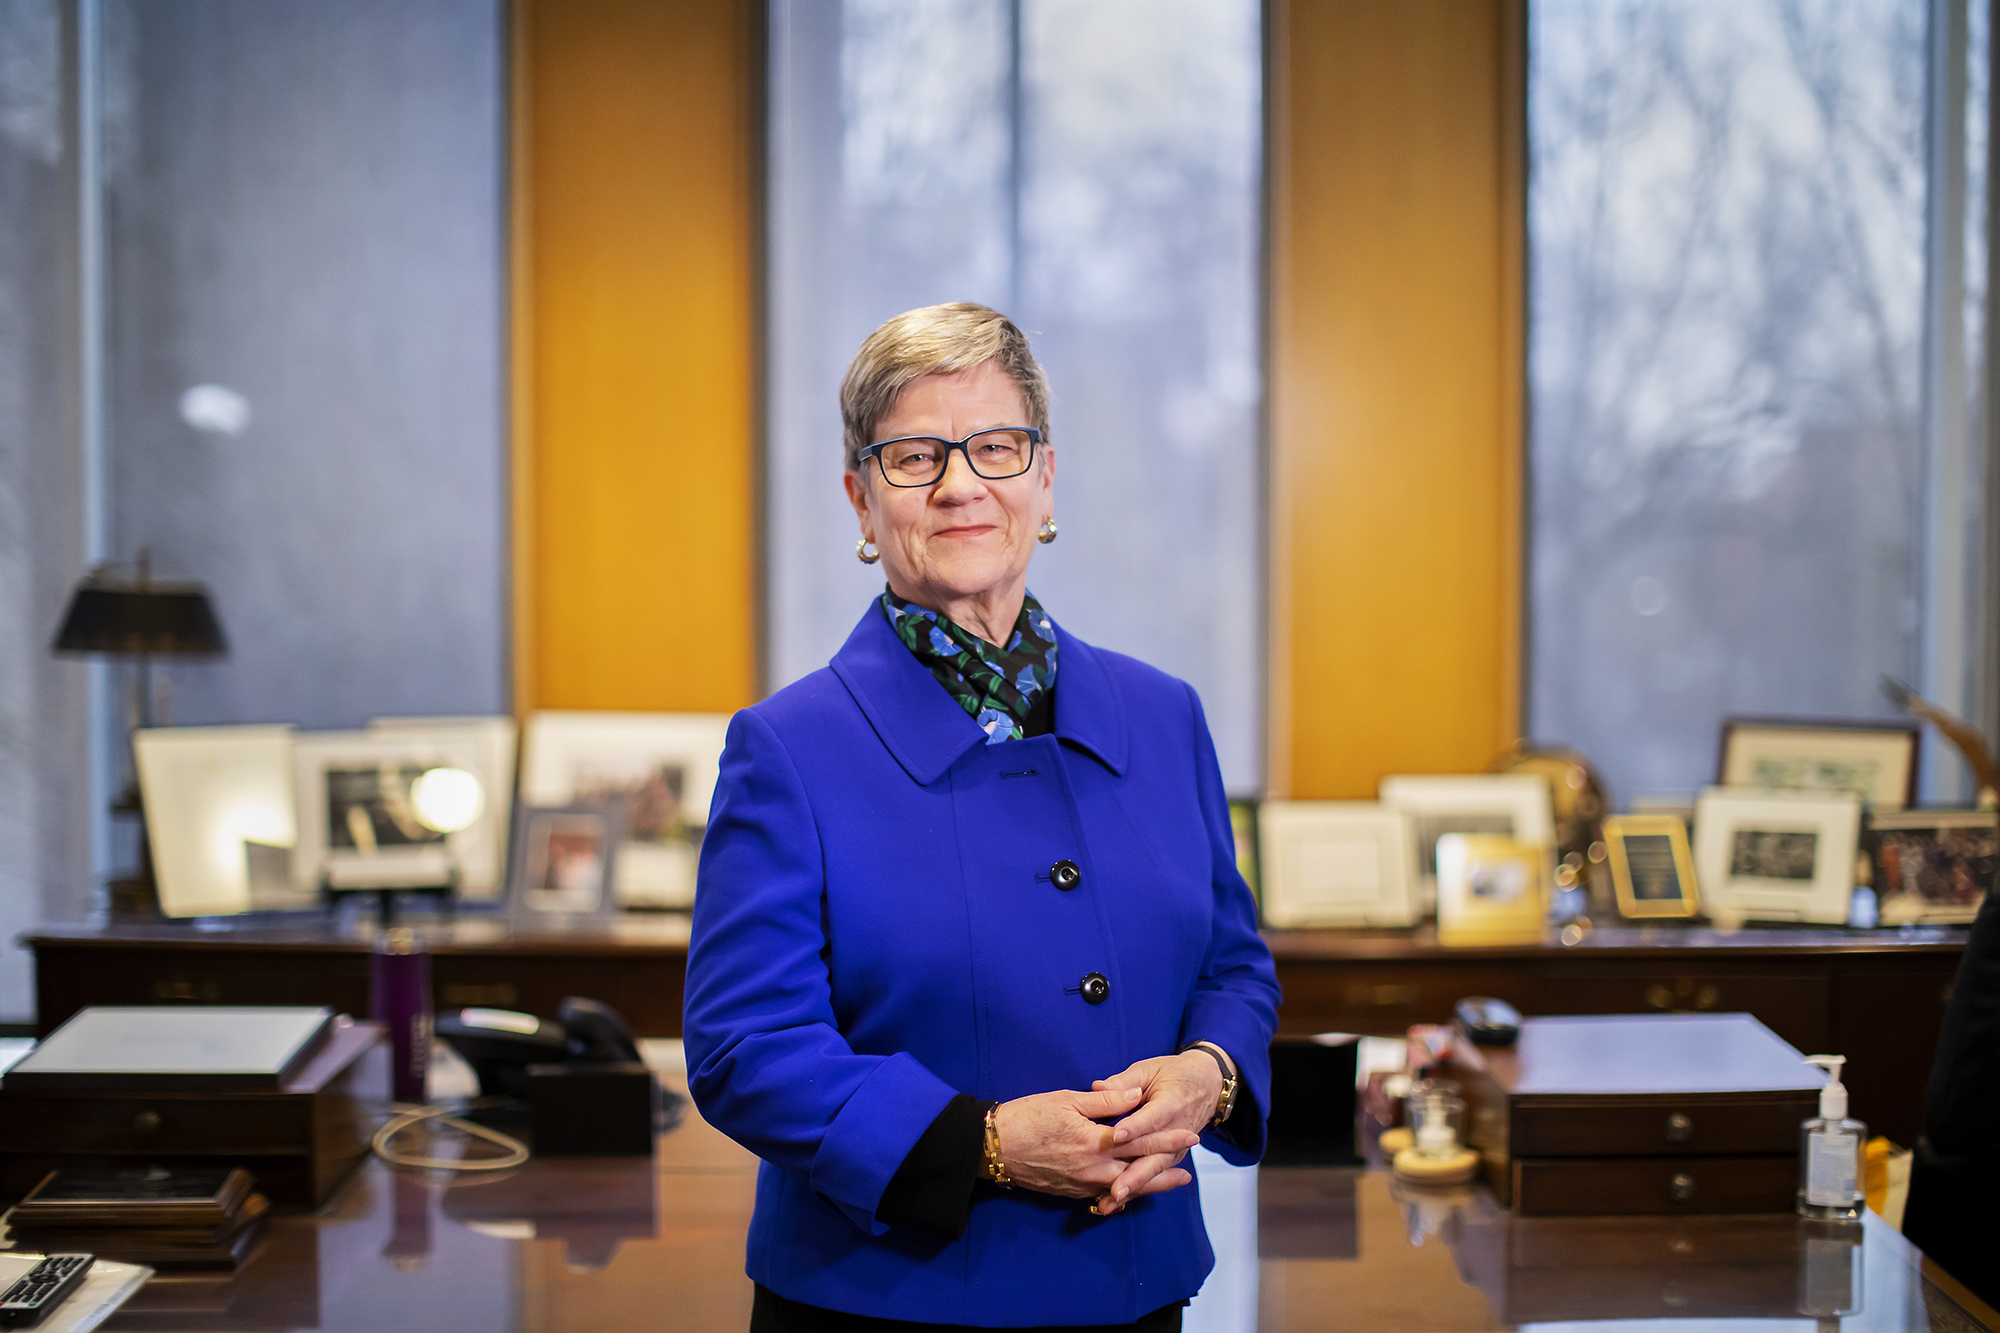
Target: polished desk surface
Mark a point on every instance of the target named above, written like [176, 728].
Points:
[625, 1244]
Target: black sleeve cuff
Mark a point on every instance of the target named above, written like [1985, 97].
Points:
[933, 1187]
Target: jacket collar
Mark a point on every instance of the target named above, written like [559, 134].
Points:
[926, 730]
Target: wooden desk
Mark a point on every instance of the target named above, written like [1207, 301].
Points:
[1875, 996]
[568, 1246]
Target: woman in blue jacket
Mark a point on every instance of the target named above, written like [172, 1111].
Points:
[972, 965]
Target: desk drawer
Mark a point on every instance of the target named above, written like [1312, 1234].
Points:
[1793, 1006]
[155, 1124]
[1685, 1127]
[1385, 999]
[1605, 1186]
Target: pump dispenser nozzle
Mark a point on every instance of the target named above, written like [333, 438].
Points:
[1833, 1097]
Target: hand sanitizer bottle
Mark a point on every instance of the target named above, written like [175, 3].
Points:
[1830, 1147]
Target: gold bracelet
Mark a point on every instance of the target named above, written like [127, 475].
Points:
[996, 1167]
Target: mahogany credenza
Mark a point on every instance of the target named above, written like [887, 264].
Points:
[1876, 997]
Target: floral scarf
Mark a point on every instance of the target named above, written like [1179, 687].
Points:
[996, 687]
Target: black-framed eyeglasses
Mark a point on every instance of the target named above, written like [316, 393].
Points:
[919, 460]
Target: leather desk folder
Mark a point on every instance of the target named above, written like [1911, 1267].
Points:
[299, 1123]
[1656, 1113]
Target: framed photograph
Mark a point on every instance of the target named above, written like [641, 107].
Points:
[1933, 865]
[1777, 855]
[563, 864]
[1652, 866]
[483, 871]
[659, 770]
[1877, 761]
[386, 810]
[220, 819]
[1243, 828]
[1335, 863]
[1492, 890]
[1508, 805]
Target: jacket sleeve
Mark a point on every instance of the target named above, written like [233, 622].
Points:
[767, 1063]
[1235, 1000]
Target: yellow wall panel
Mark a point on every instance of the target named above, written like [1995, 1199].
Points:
[636, 244]
[1395, 389]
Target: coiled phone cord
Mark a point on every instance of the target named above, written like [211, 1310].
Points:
[408, 1117]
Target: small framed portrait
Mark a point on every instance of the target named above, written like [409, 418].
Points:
[563, 865]
[1492, 890]
[1507, 805]
[1876, 761]
[1933, 865]
[1777, 855]
[1243, 828]
[659, 769]
[1335, 863]
[389, 810]
[1652, 866]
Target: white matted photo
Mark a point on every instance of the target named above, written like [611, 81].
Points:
[220, 819]
[658, 769]
[1335, 863]
[1505, 805]
[1875, 760]
[383, 810]
[483, 871]
[1777, 855]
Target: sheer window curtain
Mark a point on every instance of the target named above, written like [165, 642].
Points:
[1757, 287]
[44, 777]
[1093, 168]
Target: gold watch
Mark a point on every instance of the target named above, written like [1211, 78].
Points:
[1227, 1102]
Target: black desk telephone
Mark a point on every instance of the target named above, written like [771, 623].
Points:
[580, 1079]
[500, 1044]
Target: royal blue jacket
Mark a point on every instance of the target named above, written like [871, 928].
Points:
[876, 930]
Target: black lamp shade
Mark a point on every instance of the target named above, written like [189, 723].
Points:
[155, 619]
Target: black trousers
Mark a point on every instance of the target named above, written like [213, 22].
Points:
[772, 1313]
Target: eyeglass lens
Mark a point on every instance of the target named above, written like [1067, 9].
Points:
[994, 455]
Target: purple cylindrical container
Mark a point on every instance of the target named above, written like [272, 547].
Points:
[400, 996]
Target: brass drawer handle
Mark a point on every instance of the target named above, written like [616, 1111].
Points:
[1659, 997]
[1680, 1128]
[1681, 1187]
[146, 1124]
[1706, 997]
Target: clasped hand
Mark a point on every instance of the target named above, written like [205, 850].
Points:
[1052, 1142]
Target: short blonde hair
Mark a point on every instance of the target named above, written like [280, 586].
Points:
[936, 340]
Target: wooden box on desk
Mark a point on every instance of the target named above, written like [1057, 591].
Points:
[1656, 1113]
[299, 1141]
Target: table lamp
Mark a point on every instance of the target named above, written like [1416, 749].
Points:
[137, 617]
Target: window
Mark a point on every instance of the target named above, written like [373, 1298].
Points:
[1092, 169]
[1757, 283]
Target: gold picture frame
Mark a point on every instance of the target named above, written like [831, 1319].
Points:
[1639, 895]
[1492, 891]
